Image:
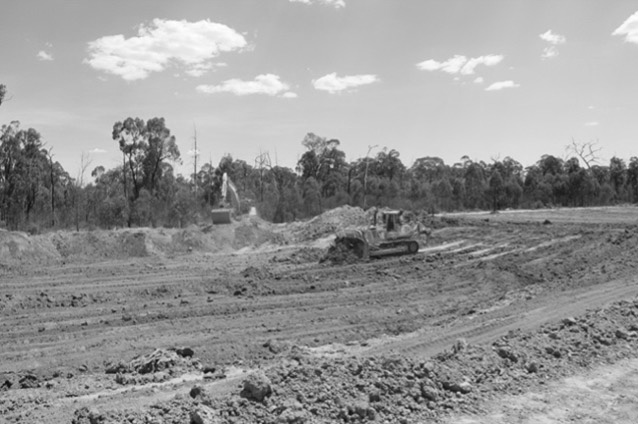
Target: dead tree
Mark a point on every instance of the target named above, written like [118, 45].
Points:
[262, 163]
[587, 152]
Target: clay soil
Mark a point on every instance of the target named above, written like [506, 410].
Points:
[496, 317]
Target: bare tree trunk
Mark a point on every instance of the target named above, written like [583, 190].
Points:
[85, 162]
[52, 190]
[365, 176]
[126, 199]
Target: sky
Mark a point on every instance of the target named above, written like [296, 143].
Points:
[485, 79]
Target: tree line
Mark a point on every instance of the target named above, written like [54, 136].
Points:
[37, 193]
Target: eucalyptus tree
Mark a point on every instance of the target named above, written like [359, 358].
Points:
[146, 147]
[24, 172]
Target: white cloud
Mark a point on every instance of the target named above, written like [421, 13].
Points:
[268, 84]
[549, 52]
[501, 85]
[192, 44]
[629, 29]
[42, 55]
[335, 3]
[452, 66]
[591, 124]
[554, 40]
[199, 69]
[289, 95]
[97, 150]
[459, 64]
[202, 68]
[472, 63]
[334, 84]
[479, 80]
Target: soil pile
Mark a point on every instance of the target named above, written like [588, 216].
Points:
[100, 244]
[299, 255]
[341, 253]
[328, 223]
[157, 366]
[254, 233]
[141, 242]
[18, 247]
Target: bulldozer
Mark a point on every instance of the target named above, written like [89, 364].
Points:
[387, 235]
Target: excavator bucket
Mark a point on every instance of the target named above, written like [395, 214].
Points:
[221, 216]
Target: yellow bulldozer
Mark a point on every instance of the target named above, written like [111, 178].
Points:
[389, 234]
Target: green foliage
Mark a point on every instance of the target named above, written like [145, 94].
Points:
[496, 189]
[37, 193]
[113, 212]
[28, 178]
[183, 208]
[311, 197]
[147, 147]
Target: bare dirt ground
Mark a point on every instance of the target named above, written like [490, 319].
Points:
[537, 295]
[606, 395]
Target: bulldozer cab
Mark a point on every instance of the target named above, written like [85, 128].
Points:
[391, 220]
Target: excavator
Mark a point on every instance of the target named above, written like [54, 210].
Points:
[222, 214]
[388, 235]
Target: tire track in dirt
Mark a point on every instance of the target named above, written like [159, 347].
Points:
[542, 310]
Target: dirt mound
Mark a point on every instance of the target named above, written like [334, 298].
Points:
[188, 239]
[157, 366]
[328, 223]
[340, 253]
[254, 233]
[299, 256]
[18, 247]
[101, 244]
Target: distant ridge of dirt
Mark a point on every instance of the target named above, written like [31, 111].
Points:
[18, 248]
[327, 223]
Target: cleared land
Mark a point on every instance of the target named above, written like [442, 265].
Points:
[254, 296]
